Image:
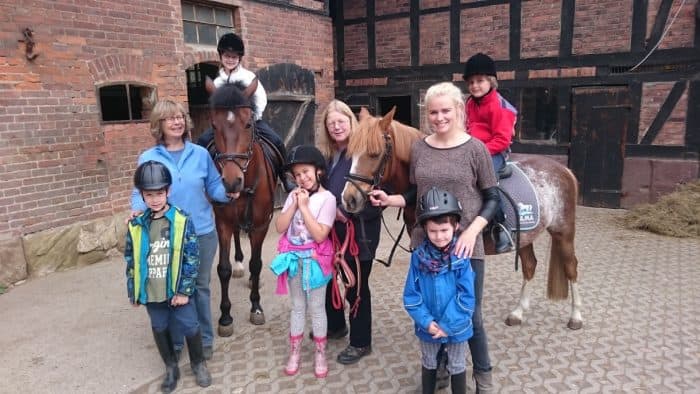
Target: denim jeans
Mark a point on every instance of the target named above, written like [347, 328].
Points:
[207, 249]
[182, 318]
[478, 344]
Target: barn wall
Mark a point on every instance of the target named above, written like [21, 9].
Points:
[59, 164]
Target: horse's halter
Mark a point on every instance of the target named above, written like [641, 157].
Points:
[378, 174]
[221, 158]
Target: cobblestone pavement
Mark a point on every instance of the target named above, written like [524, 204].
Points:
[641, 333]
[74, 331]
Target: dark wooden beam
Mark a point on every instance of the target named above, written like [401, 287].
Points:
[371, 36]
[414, 26]
[515, 27]
[339, 24]
[692, 123]
[455, 23]
[635, 89]
[640, 8]
[564, 114]
[659, 23]
[566, 36]
[660, 151]
[664, 112]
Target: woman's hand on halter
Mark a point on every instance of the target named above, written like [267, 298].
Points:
[379, 198]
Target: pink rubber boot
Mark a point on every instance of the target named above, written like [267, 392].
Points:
[294, 354]
[320, 363]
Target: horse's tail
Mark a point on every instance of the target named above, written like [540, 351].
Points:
[562, 256]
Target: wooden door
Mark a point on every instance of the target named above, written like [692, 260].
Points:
[599, 127]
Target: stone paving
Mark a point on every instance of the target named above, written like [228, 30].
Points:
[641, 333]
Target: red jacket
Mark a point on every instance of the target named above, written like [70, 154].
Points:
[491, 119]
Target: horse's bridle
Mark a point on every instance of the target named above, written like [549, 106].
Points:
[376, 178]
[221, 158]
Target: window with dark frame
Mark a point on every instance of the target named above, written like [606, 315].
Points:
[126, 102]
[538, 112]
[204, 24]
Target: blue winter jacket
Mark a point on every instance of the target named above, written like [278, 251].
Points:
[184, 256]
[445, 296]
[194, 178]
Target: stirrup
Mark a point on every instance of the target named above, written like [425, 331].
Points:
[496, 230]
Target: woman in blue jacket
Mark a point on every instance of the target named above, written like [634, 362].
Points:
[439, 291]
[195, 182]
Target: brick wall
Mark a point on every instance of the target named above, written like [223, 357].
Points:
[355, 56]
[485, 29]
[393, 43]
[391, 6]
[58, 163]
[354, 9]
[435, 38]
[681, 33]
[540, 28]
[425, 4]
[602, 26]
[653, 97]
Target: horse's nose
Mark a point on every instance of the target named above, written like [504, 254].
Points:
[232, 187]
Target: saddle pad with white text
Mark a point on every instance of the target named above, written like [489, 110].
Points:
[520, 189]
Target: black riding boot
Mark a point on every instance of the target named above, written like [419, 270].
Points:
[167, 353]
[459, 383]
[500, 233]
[287, 183]
[428, 377]
[443, 376]
[197, 362]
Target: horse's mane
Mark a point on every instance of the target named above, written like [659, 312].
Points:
[368, 138]
[229, 96]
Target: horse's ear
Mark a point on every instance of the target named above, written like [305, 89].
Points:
[209, 85]
[385, 122]
[248, 92]
[364, 114]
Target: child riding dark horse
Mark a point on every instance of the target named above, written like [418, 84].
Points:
[231, 50]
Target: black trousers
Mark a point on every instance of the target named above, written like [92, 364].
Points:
[360, 324]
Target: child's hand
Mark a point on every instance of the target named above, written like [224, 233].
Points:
[435, 330]
[302, 197]
[179, 299]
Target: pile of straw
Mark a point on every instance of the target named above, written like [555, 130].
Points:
[676, 214]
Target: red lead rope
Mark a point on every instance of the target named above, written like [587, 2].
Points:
[342, 269]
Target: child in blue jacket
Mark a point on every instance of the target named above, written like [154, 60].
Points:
[439, 291]
[162, 259]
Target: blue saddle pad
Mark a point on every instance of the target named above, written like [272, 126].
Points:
[520, 189]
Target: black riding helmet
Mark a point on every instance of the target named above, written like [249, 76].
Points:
[152, 175]
[479, 64]
[305, 154]
[437, 202]
[231, 42]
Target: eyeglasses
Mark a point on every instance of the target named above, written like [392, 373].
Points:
[172, 119]
[337, 123]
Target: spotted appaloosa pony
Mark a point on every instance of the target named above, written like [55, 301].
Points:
[380, 148]
[248, 175]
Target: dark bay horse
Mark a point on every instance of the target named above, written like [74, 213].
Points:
[380, 149]
[248, 175]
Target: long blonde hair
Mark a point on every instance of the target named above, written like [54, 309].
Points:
[165, 109]
[451, 91]
[324, 143]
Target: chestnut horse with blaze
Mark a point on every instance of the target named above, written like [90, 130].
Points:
[250, 177]
[380, 150]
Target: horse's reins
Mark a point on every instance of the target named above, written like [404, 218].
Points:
[396, 240]
[340, 266]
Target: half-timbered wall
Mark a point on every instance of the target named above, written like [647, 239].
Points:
[545, 50]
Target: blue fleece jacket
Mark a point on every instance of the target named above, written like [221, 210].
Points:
[195, 180]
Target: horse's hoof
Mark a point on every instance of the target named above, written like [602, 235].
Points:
[513, 321]
[257, 318]
[225, 331]
[574, 324]
[238, 270]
